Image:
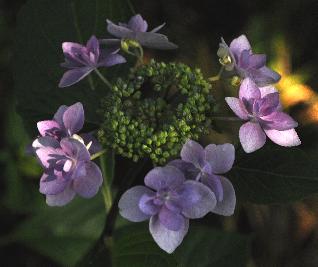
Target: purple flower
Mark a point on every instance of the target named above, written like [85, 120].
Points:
[67, 170]
[262, 109]
[136, 29]
[205, 165]
[66, 122]
[240, 58]
[169, 201]
[82, 60]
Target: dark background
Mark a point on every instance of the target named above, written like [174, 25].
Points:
[283, 235]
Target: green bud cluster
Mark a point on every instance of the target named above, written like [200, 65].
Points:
[154, 111]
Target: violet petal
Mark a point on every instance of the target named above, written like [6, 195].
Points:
[62, 198]
[73, 118]
[73, 76]
[252, 136]
[286, 138]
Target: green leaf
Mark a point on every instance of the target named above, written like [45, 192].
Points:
[202, 247]
[64, 234]
[42, 26]
[275, 175]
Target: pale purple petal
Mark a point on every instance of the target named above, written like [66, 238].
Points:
[69, 47]
[48, 127]
[138, 24]
[75, 149]
[154, 40]
[248, 90]
[111, 60]
[214, 183]
[286, 138]
[58, 116]
[164, 177]
[62, 198]
[48, 156]
[193, 152]
[187, 168]
[196, 199]
[171, 220]
[265, 90]
[220, 157]
[52, 184]
[166, 239]
[237, 107]
[240, 44]
[264, 76]
[227, 205]
[279, 121]
[73, 118]
[252, 136]
[129, 204]
[87, 186]
[73, 76]
[147, 205]
[158, 28]
[119, 31]
[93, 46]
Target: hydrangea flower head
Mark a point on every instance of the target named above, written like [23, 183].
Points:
[68, 121]
[82, 60]
[169, 201]
[261, 108]
[238, 57]
[207, 165]
[68, 170]
[136, 30]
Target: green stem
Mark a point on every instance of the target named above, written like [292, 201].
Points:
[107, 163]
[98, 154]
[102, 77]
[218, 76]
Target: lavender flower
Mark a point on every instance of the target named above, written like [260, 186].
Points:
[66, 122]
[136, 30]
[240, 58]
[205, 165]
[169, 201]
[82, 60]
[262, 109]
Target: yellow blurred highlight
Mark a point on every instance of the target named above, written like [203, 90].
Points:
[292, 88]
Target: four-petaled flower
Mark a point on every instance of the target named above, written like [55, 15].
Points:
[66, 122]
[68, 170]
[169, 201]
[136, 30]
[206, 165]
[240, 59]
[262, 109]
[82, 60]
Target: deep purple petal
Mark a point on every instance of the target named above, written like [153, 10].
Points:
[62, 198]
[257, 61]
[58, 116]
[111, 60]
[237, 107]
[48, 155]
[73, 118]
[73, 76]
[93, 47]
[75, 149]
[252, 136]
[214, 183]
[171, 220]
[166, 239]
[264, 76]
[226, 207]
[119, 31]
[187, 168]
[248, 90]
[45, 141]
[129, 204]
[164, 177]
[52, 184]
[138, 24]
[154, 40]
[87, 185]
[95, 146]
[193, 152]
[279, 121]
[220, 157]
[147, 205]
[196, 199]
[240, 44]
[269, 104]
[286, 138]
